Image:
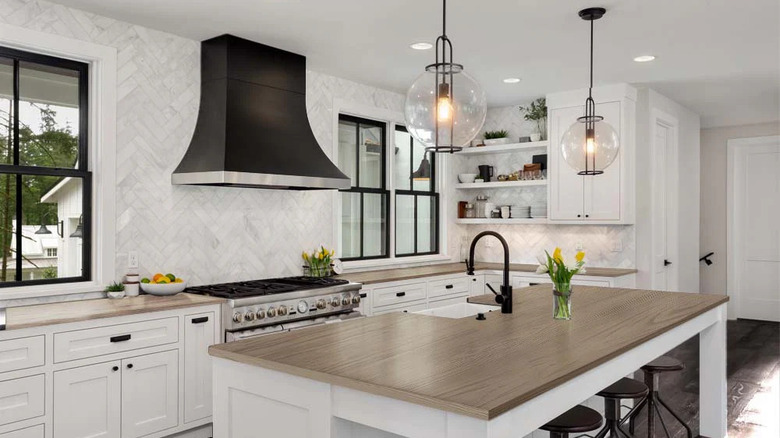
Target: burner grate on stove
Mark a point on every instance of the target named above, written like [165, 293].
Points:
[252, 288]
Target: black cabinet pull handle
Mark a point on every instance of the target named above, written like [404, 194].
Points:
[129, 365]
[533, 284]
[449, 286]
[200, 320]
[115, 368]
[120, 338]
[363, 295]
[401, 294]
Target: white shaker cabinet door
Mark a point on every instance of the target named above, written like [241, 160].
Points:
[602, 192]
[566, 186]
[198, 336]
[87, 401]
[150, 388]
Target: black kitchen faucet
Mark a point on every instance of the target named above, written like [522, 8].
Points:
[505, 298]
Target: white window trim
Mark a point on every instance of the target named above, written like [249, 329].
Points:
[102, 62]
[392, 118]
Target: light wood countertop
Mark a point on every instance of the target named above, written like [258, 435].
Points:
[385, 275]
[74, 311]
[476, 368]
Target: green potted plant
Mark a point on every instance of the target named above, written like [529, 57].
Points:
[496, 137]
[537, 112]
[115, 290]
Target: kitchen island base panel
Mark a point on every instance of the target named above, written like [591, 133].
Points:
[249, 397]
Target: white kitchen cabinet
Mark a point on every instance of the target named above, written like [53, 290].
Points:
[36, 431]
[21, 399]
[408, 307]
[150, 393]
[198, 336]
[600, 199]
[17, 354]
[87, 401]
[477, 284]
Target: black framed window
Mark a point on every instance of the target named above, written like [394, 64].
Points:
[365, 206]
[416, 199]
[45, 183]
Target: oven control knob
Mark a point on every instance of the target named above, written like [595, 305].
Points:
[282, 310]
[335, 302]
[271, 312]
[303, 307]
[345, 301]
[321, 304]
[249, 316]
[260, 314]
[356, 299]
[238, 317]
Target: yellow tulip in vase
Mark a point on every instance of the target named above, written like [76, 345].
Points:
[561, 275]
[318, 263]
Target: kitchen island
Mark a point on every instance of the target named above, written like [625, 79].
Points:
[423, 376]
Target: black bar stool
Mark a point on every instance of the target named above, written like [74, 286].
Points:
[652, 370]
[577, 419]
[624, 388]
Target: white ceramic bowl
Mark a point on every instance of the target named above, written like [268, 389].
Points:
[467, 177]
[163, 289]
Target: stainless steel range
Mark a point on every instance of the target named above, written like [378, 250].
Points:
[262, 307]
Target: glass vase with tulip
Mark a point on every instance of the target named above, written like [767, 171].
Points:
[561, 274]
[318, 263]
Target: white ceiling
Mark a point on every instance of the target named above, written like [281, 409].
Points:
[720, 58]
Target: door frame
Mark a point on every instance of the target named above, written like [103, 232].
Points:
[736, 149]
[672, 196]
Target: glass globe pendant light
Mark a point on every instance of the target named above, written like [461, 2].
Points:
[445, 107]
[590, 145]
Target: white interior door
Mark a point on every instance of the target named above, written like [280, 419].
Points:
[754, 250]
[663, 210]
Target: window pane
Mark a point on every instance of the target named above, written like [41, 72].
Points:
[426, 224]
[7, 227]
[374, 225]
[48, 116]
[350, 225]
[404, 224]
[403, 165]
[6, 110]
[372, 146]
[348, 149]
[52, 242]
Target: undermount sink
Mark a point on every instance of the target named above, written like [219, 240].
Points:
[460, 310]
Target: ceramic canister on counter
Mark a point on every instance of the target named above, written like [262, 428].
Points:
[132, 285]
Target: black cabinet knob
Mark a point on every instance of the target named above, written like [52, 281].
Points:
[587, 215]
[115, 368]
[129, 365]
[579, 215]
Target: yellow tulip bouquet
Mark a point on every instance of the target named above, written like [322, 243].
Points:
[561, 275]
[318, 262]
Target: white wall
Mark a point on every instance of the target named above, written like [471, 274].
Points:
[200, 233]
[713, 197]
[687, 177]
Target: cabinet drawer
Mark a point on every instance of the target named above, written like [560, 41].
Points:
[21, 399]
[448, 301]
[410, 308]
[99, 341]
[28, 432]
[17, 354]
[603, 283]
[388, 296]
[453, 286]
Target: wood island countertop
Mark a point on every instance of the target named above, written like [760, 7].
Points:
[397, 274]
[82, 310]
[476, 368]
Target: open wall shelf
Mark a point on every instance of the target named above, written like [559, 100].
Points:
[505, 148]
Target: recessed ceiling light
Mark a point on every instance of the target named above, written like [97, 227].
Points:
[644, 58]
[421, 46]
[511, 80]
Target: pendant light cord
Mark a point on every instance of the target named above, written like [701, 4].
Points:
[590, 90]
[444, 18]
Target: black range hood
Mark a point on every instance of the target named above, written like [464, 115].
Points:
[252, 128]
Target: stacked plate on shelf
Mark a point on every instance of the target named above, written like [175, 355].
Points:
[538, 211]
[521, 212]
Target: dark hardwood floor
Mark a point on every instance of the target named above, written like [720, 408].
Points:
[753, 383]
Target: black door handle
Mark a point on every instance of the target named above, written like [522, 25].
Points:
[401, 294]
[200, 320]
[120, 338]
[667, 263]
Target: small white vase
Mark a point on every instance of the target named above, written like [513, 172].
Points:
[536, 136]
